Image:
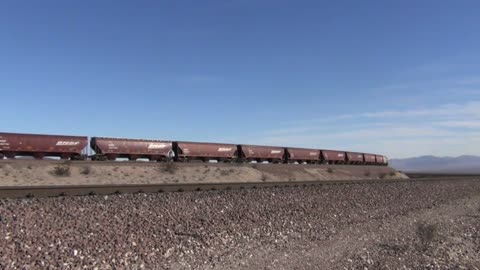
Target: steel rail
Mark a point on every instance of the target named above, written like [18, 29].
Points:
[153, 163]
[108, 189]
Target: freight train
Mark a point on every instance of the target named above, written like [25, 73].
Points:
[72, 147]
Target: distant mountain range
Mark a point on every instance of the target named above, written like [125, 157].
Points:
[461, 164]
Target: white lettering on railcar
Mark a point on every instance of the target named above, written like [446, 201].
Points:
[111, 146]
[340, 155]
[67, 143]
[157, 146]
[224, 149]
[313, 153]
[276, 152]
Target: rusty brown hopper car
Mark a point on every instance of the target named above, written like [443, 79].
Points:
[259, 153]
[370, 159]
[301, 155]
[112, 148]
[379, 160]
[39, 146]
[354, 158]
[333, 157]
[185, 151]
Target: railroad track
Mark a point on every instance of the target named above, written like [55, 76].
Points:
[156, 163]
[438, 175]
[83, 190]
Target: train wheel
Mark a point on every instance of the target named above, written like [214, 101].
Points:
[1, 156]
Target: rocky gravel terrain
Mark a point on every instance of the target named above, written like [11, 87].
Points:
[419, 225]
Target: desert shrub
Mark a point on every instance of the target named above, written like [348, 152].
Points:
[367, 173]
[426, 234]
[29, 167]
[61, 171]
[86, 170]
[264, 177]
[255, 166]
[224, 173]
[382, 175]
[392, 173]
[169, 167]
[237, 162]
[330, 170]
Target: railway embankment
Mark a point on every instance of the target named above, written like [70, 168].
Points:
[33, 172]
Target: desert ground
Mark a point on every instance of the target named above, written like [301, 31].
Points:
[392, 225]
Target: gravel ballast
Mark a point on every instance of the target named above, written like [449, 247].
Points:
[323, 227]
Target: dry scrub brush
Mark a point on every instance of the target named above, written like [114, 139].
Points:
[169, 167]
[61, 171]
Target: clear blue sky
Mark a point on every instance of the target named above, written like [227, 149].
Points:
[395, 78]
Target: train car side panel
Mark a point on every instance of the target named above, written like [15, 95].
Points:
[205, 151]
[39, 145]
[303, 154]
[263, 153]
[333, 156]
[379, 160]
[369, 159]
[354, 158]
[131, 148]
